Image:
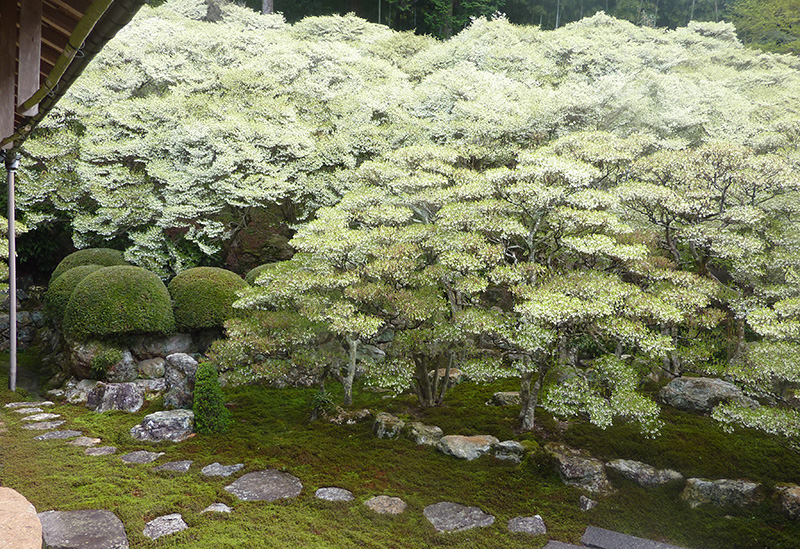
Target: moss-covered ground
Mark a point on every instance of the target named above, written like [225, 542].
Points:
[271, 430]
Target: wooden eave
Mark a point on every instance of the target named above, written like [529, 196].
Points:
[44, 47]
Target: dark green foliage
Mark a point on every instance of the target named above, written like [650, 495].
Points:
[250, 277]
[103, 361]
[210, 414]
[203, 297]
[90, 256]
[116, 301]
[61, 289]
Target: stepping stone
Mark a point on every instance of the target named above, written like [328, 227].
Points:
[216, 508]
[175, 466]
[83, 529]
[164, 526]
[84, 441]
[528, 525]
[552, 544]
[266, 485]
[141, 456]
[101, 451]
[58, 435]
[217, 470]
[44, 425]
[334, 494]
[600, 538]
[386, 505]
[28, 404]
[41, 417]
[28, 410]
[447, 516]
[19, 524]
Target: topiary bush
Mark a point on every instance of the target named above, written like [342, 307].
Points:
[203, 297]
[60, 290]
[90, 256]
[121, 300]
[210, 414]
[251, 276]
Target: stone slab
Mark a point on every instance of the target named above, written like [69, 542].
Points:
[600, 538]
[141, 456]
[386, 505]
[164, 526]
[41, 417]
[44, 425]
[20, 527]
[219, 470]
[266, 485]
[28, 404]
[527, 525]
[101, 451]
[447, 516]
[86, 529]
[29, 410]
[175, 466]
[334, 494]
[58, 435]
[84, 441]
[553, 544]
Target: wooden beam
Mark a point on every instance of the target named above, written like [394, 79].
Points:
[58, 20]
[8, 53]
[30, 49]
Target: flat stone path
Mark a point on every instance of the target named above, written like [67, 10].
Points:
[58, 435]
[175, 466]
[164, 526]
[266, 485]
[83, 529]
[141, 457]
[447, 516]
[386, 505]
[599, 538]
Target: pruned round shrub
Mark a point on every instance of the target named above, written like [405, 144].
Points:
[251, 276]
[90, 256]
[60, 290]
[210, 414]
[203, 297]
[118, 300]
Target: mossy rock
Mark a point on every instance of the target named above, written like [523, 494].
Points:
[119, 300]
[90, 256]
[250, 277]
[203, 297]
[60, 290]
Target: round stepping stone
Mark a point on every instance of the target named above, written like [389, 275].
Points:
[266, 485]
[334, 494]
[141, 456]
[86, 528]
[175, 466]
[100, 451]
[447, 516]
[217, 470]
[216, 508]
[164, 526]
[58, 435]
[28, 404]
[528, 525]
[44, 425]
[28, 410]
[84, 441]
[41, 417]
[386, 505]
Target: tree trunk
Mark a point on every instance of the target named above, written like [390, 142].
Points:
[267, 6]
[558, 13]
[447, 30]
[691, 10]
[347, 381]
[423, 389]
[530, 396]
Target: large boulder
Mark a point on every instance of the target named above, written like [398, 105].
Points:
[19, 525]
[145, 347]
[124, 370]
[643, 474]
[125, 397]
[83, 529]
[180, 373]
[151, 368]
[702, 394]
[424, 434]
[505, 398]
[387, 425]
[170, 425]
[789, 497]
[468, 448]
[510, 450]
[578, 469]
[723, 492]
[77, 392]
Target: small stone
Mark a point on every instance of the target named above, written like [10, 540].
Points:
[387, 425]
[722, 492]
[175, 466]
[447, 516]
[587, 504]
[345, 417]
[28, 410]
[216, 508]
[510, 450]
[141, 456]
[468, 448]
[528, 525]
[789, 495]
[44, 425]
[100, 451]
[164, 526]
[83, 529]
[41, 417]
[386, 505]
[334, 494]
[266, 485]
[56, 393]
[218, 470]
[58, 435]
[28, 404]
[84, 441]
[643, 474]
[505, 398]
[420, 433]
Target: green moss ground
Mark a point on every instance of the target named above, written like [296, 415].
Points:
[270, 429]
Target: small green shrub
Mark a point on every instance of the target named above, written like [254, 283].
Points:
[102, 361]
[115, 301]
[60, 290]
[90, 256]
[203, 297]
[210, 414]
[251, 276]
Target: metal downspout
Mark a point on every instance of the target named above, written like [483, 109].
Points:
[12, 164]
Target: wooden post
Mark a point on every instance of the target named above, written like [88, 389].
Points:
[8, 53]
[12, 163]
[30, 51]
